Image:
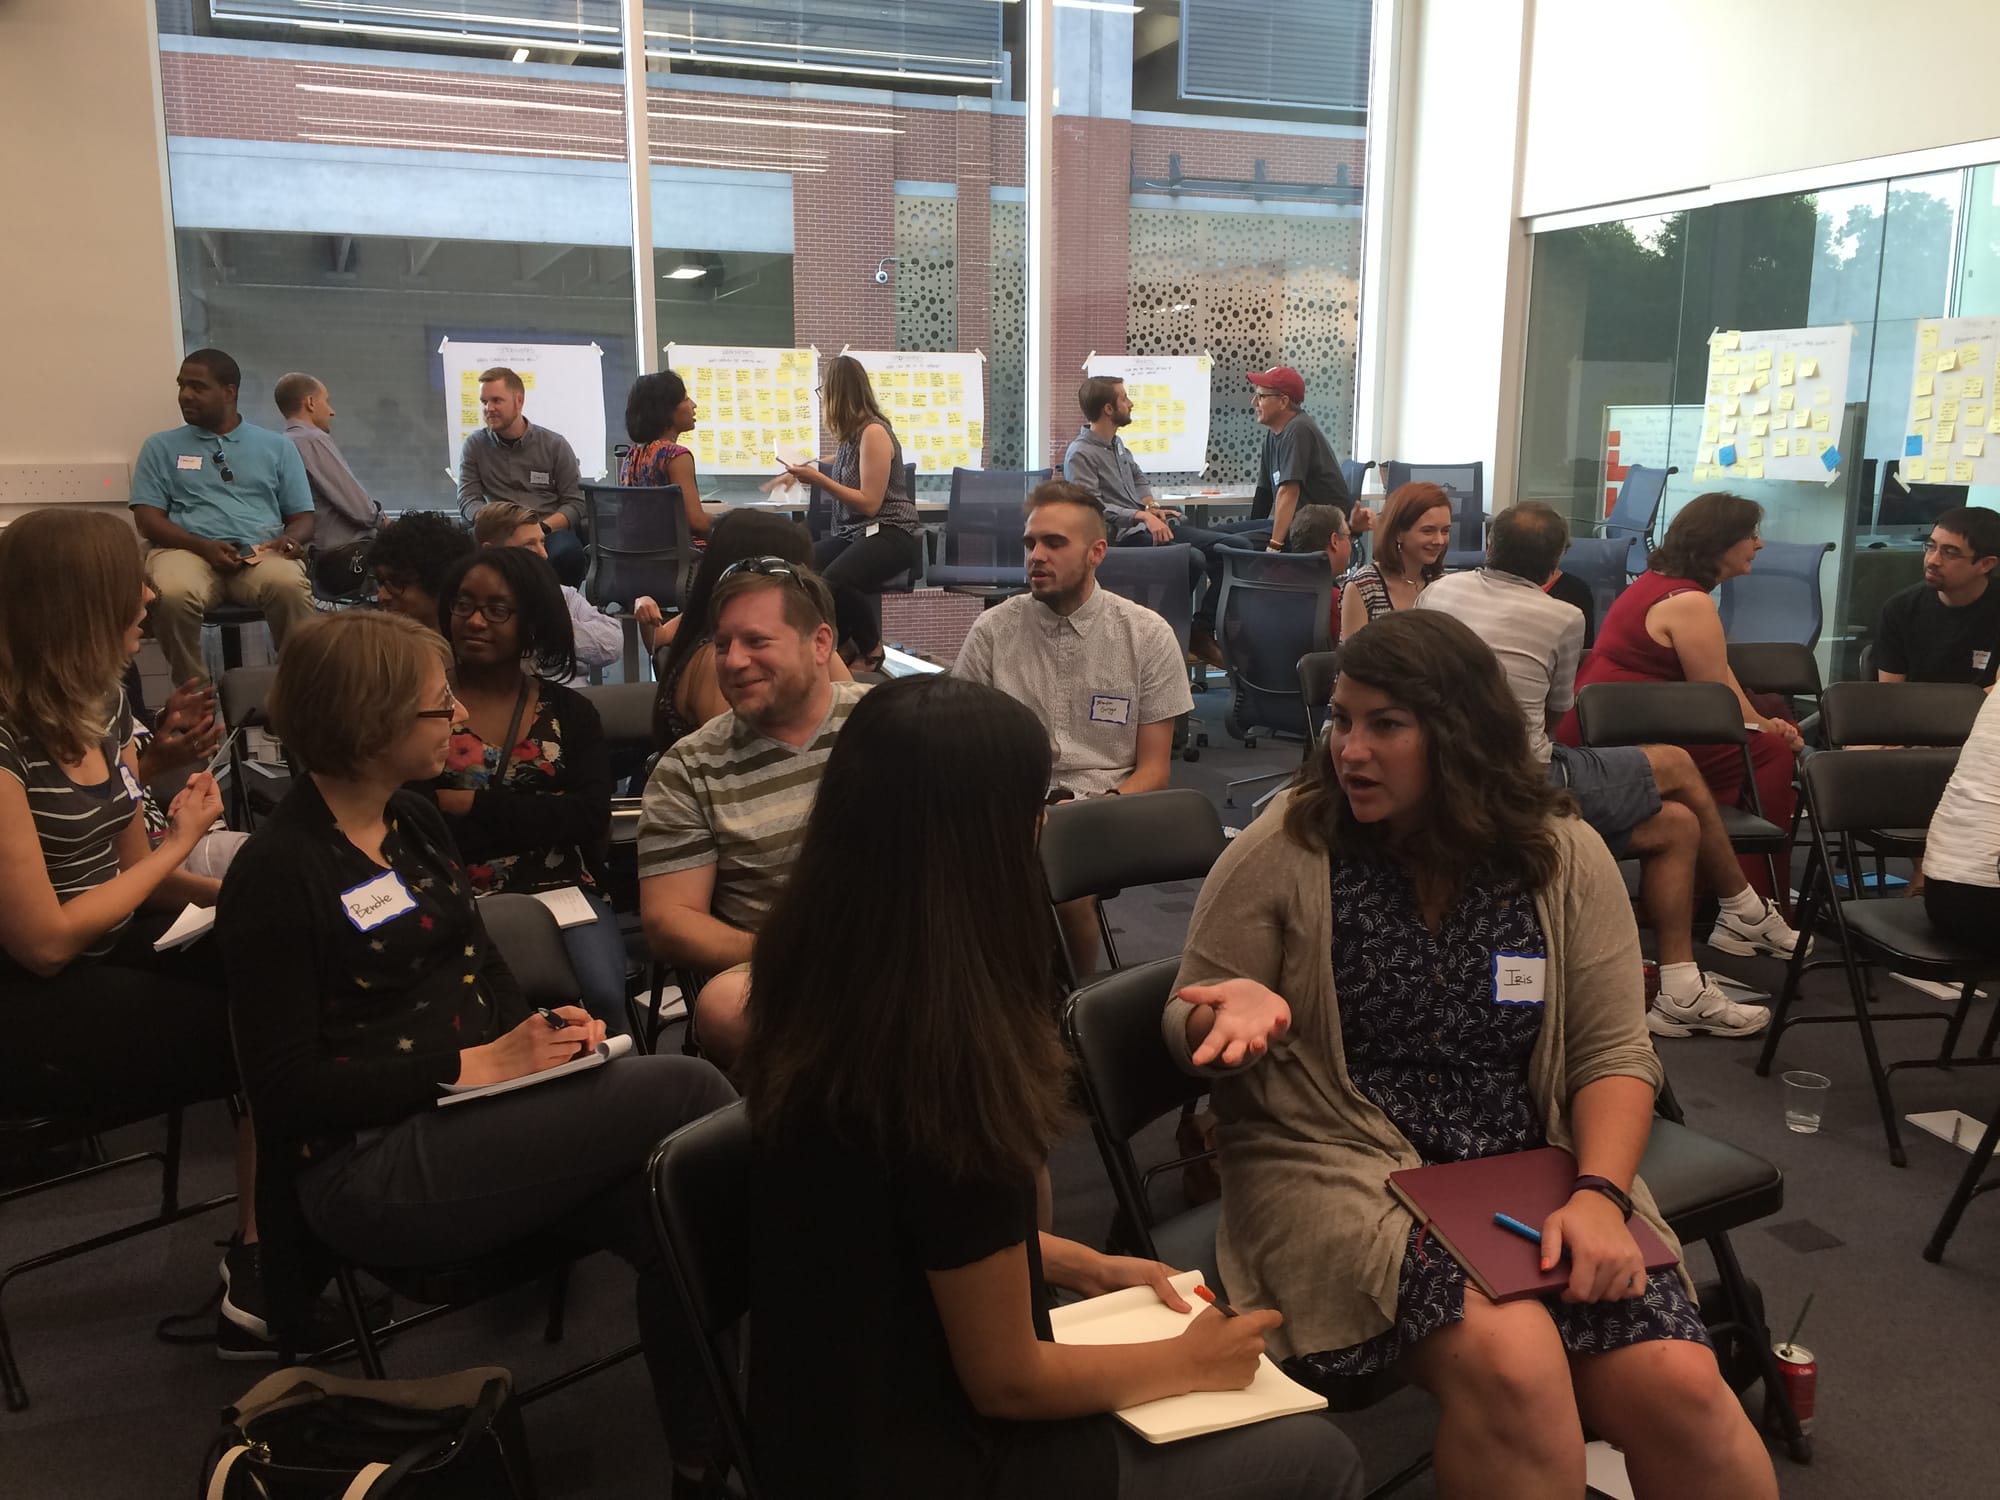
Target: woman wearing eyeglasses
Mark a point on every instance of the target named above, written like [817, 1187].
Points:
[526, 786]
[876, 535]
[362, 983]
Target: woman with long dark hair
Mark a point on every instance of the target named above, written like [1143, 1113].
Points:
[876, 536]
[1342, 980]
[526, 786]
[659, 412]
[1666, 628]
[1410, 543]
[688, 695]
[905, 1085]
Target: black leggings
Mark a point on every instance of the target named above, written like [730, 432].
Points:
[855, 568]
[126, 1036]
[1968, 913]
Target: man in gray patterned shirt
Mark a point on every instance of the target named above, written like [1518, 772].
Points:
[347, 513]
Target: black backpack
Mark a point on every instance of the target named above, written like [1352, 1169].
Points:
[299, 1434]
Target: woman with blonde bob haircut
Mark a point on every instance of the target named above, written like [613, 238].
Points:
[362, 984]
[876, 536]
[98, 1024]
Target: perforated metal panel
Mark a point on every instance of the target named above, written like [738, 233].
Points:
[1311, 53]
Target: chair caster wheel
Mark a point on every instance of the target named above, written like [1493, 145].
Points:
[1190, 755]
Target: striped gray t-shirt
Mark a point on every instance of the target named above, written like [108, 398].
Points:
[78, 825]
[730, 797]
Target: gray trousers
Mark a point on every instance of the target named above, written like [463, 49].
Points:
[1292, 1458]
[567, 1157]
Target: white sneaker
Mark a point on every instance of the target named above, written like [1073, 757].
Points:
[1767, 935]
[1710, 1012]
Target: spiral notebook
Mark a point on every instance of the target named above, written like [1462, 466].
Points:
[596, 1057]
[1136, 1315]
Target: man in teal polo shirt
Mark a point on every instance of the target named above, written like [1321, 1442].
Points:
[228, 512]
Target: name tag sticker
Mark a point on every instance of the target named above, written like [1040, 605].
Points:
[1105, 709]
[1277, 478]
[376, 901]
[1519, 978]
[1980, 659]
[538, 476]
[131, 783]
[872, 530]
[188, 461]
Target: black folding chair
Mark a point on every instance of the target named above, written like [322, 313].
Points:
[1970, 1186]
[1686, 713]
[1318, 671]
[639, 544]
[254, 789]
[1103, 845]
[1853, 791]
[700, 1178]
[1274, 608]
[1874, 715]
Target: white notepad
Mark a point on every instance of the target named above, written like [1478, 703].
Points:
[596, 1057]
[1136, 1315]
[189, 925]
[571, 906]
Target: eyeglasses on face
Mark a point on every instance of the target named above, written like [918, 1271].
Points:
[222, 466]
[496, 611]
[450, 712]
[1945, 551]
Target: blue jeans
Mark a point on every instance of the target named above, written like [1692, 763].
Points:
[597, 953]
[567, 557]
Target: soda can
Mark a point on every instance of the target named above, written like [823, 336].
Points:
[1800, 1372]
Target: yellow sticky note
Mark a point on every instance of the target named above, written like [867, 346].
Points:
[1754, 450]
[1787, 360]
[1926, 385]
[802, 412]
[1761, 407]
[1994, 425]
[1756, 471]
[1922, 430]
[1975, 414]
[1802, 418]
[933, 418]
[1701, 472]
[1968, 356]
[1927, 336]
[1786, 400]
[725, 411]
[1764, 359]
[1785, 377]
[1822, 444]
[1732, 340]
[1706, 454]
[1947, 410]
[1715, 385]
[788, 434]
[1923, 409]
[1758, 382]
[1732, 366]
[1927, 360]
[1781, 447]
[1808, 368]
[1914, 469]
[1729, 424]
[937, 380]
[1974, 447]
[1708, 433]
[954, 418]
[1947, 359]
[1946, 433]
[1759, 426]
[1961, 472]
[1734, 408]
[975, 433]
[1732, 386]
[1975, 387]
[1820, 422]
[955, 379]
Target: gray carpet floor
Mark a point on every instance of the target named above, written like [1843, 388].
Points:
[1906, 1348]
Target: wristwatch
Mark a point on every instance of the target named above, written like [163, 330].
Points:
[1608, 1188]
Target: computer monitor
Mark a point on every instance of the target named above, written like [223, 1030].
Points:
[1919, 505]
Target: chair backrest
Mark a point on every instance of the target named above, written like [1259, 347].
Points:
[1354, 473]
[1102, 845]
[982, 524]
[1129, 1078]
[1317, 671]
[1602, 562]
[340, 574]
[700, 1181]
[1854, 790]
[1631, 518]
[1467, 483]
[1156, 577]
[531, 944]
[1787, 668]
[1899, 713]
[1779, 598]
[822, 513]
[639, 544]
[1274, 608]
[241, 694]
[1659, 713]
[626, 711]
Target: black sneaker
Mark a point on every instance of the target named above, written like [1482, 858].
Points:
[235, 1342]
[243, 1301]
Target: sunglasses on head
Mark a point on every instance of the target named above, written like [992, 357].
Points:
[763, 567]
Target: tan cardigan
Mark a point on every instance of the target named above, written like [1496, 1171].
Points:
[1308, 1224]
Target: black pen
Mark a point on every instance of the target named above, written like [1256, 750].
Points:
[551, 1017]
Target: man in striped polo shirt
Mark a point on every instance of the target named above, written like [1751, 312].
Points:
[726, 807]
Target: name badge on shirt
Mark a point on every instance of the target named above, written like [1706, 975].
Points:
[376, 901]
[538, 476]
[1980, 659]
[131, 783]
[1520, 978]
[1105, 709]
[1276, 478]
[188, 461]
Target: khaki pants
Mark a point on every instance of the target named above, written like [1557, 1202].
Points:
[188, 586]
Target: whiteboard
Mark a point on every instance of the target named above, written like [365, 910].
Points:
[936, 401]
[1952, 435]
[1774, 404]
[565, 384]
[1168, 433]
[749, 402]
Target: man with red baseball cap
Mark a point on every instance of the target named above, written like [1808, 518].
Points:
[1297, 466]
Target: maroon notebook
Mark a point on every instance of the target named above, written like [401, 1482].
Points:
[1457, 1202]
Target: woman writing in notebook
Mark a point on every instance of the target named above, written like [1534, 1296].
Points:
[362, 982]
[1418, 957]
[905, 1083]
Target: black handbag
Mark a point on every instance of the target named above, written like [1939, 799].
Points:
[300, 1434]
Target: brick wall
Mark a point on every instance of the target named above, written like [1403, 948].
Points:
[1092, 259]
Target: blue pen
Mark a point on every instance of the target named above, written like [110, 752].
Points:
[1514, 1226]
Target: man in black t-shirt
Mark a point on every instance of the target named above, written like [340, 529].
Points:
[1947, 628]
[1297, 465]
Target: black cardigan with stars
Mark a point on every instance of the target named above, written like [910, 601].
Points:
[339, 1029]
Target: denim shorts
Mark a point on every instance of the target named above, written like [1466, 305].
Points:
[1614, 789]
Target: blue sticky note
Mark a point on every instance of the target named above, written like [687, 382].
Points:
[1913, 446]
[1831, 458]
[1726, 454]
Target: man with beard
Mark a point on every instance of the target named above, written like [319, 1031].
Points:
[1099, 461]
[1102, 673]
[726, 807]
[1947, 628]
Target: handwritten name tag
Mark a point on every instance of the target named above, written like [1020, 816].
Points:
[1520, 978]
[373, 902]
[1980, 659]
[188, 461]
[131, 783]
[537, 476]
[1105, 709]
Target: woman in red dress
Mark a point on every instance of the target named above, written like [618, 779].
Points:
[1665, 628]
